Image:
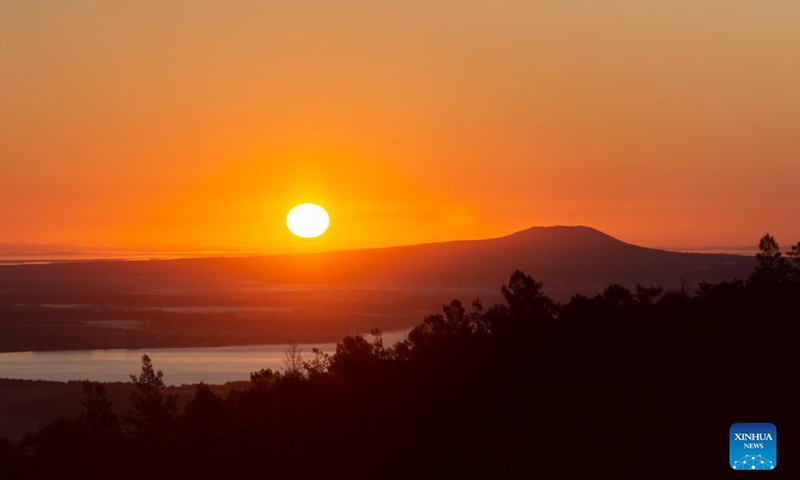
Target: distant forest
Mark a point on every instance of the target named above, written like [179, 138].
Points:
[628, 383]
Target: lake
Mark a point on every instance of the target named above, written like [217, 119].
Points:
[214, 365]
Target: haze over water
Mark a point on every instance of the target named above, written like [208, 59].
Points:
[215, 365]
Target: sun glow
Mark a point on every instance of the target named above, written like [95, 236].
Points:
[308, 220]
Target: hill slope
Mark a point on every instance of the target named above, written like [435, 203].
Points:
[578, 258]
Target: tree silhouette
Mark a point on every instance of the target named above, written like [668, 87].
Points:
[794, 254]
[768, 249]
[525, 298]
[151, 411]
[204, 412]
[265, 376]
[772, 268]
[318, 365]
[356, 356]
[617, 296]
[97, 413]
[648, 295]
[454, 321]
[293, 360]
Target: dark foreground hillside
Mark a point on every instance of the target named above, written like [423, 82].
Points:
[27, 405]
[640, 383]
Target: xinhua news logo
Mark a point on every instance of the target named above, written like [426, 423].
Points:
[753, 446]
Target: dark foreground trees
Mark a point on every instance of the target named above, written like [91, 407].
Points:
[151, 411]
[624, 384]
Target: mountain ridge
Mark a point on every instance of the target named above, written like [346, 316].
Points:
[561, 256]
[316, 297]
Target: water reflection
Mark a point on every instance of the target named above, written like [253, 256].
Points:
[180, 365]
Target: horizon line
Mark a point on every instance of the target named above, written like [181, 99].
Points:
[68, 253]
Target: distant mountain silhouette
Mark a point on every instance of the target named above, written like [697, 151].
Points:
[565, 258]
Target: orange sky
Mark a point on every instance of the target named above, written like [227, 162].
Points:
[197, 123]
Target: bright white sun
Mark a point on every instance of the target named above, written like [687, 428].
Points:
[308, 220]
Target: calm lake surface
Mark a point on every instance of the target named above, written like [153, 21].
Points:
[214, 365]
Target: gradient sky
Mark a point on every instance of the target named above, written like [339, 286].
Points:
[197, 123]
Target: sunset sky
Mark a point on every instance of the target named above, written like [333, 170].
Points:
[187, 124]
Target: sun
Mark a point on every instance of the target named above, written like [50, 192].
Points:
[308, 220]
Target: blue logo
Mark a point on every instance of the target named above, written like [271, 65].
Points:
[753, 446]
